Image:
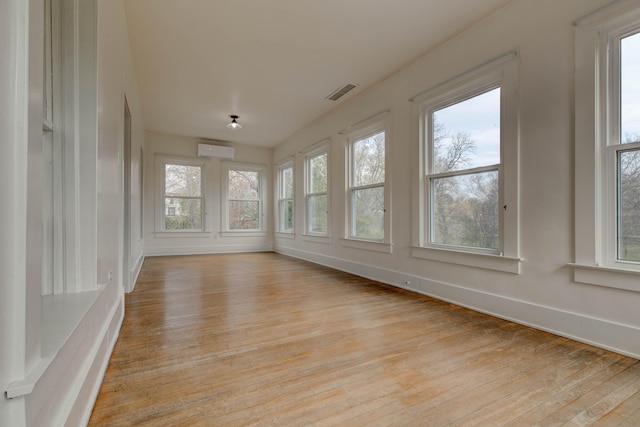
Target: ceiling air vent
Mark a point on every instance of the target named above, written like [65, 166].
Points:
[340, 92]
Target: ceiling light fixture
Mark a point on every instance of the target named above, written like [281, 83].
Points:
[234, 122]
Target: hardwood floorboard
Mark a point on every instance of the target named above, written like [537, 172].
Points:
[267, 340]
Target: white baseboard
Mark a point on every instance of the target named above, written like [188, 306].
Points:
[135, 271]
[616, 337]
[96, 367]
[205, 250]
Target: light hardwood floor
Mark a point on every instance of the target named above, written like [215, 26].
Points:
[264, 339]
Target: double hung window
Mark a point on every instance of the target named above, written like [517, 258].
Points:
[316, 194]
[244, 202]
[182, 195]
[468, 210]
[366, 187]
[608, 147]
[285, 197]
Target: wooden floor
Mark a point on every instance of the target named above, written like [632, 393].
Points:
[263, 339]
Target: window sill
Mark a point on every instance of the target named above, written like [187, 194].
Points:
[611, 277]
[368, 245]
[61, 315]
[470, 259]
[181, 234]
[316, 238]
[248, 233]
[285, 235]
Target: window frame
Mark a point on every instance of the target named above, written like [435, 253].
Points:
[378, 123]
[228, 166]
[316, 150]
[502, 72]
[281, 197]
[597, 144]
[161, 161]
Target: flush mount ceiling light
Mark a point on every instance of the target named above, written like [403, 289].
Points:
[234, 122]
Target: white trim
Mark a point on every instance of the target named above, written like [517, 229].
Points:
[617, 278]
[205, 250]
[285, 235]
[486, 261]
[316, 238]
[369, 245]
[181, 234]
[609, 335]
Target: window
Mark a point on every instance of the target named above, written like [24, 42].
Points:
[244, 197]
[463, 164]
[182, 201]
[285, 197]
[608, 147]
[367, 196]
[366, 187]
[70, 151]
[317, 184]
[468, 210]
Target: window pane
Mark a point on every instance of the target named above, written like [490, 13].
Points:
[243, 185]
[182, 180]
[368, 213]
[244, 215]
[182, 214]
[368, 160]
[467, 134]
[287, 183]
[318, 178]
[465, 210]
[630, 89]
[629, 205]
[318, 214]
[286, 215]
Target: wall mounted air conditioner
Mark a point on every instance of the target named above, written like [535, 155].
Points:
[208, 150]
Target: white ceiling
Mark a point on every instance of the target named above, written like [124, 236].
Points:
[273, 62]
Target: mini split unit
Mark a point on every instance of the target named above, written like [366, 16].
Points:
[208, 150]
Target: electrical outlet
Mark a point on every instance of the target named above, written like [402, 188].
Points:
[110, 276]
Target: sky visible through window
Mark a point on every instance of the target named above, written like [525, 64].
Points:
[479, 118]
[630, 75]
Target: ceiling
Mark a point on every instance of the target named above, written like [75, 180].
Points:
[274, 62]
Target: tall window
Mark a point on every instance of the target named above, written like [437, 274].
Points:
[366, 187]
[468, 189]
[285, 197]
[182, 195]
[607, 153]
[244, 197]
[463, 168]
[317, 202]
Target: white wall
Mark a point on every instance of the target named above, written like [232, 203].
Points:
[56, 382]
[212, 241]
[543, 294]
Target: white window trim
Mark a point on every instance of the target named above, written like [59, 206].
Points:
[595, 249]
[280, 167]
[379, 122]
[315, 150]
[263, 208]
[501, 71]
[161, 161]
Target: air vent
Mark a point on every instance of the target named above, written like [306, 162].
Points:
[339, 93]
